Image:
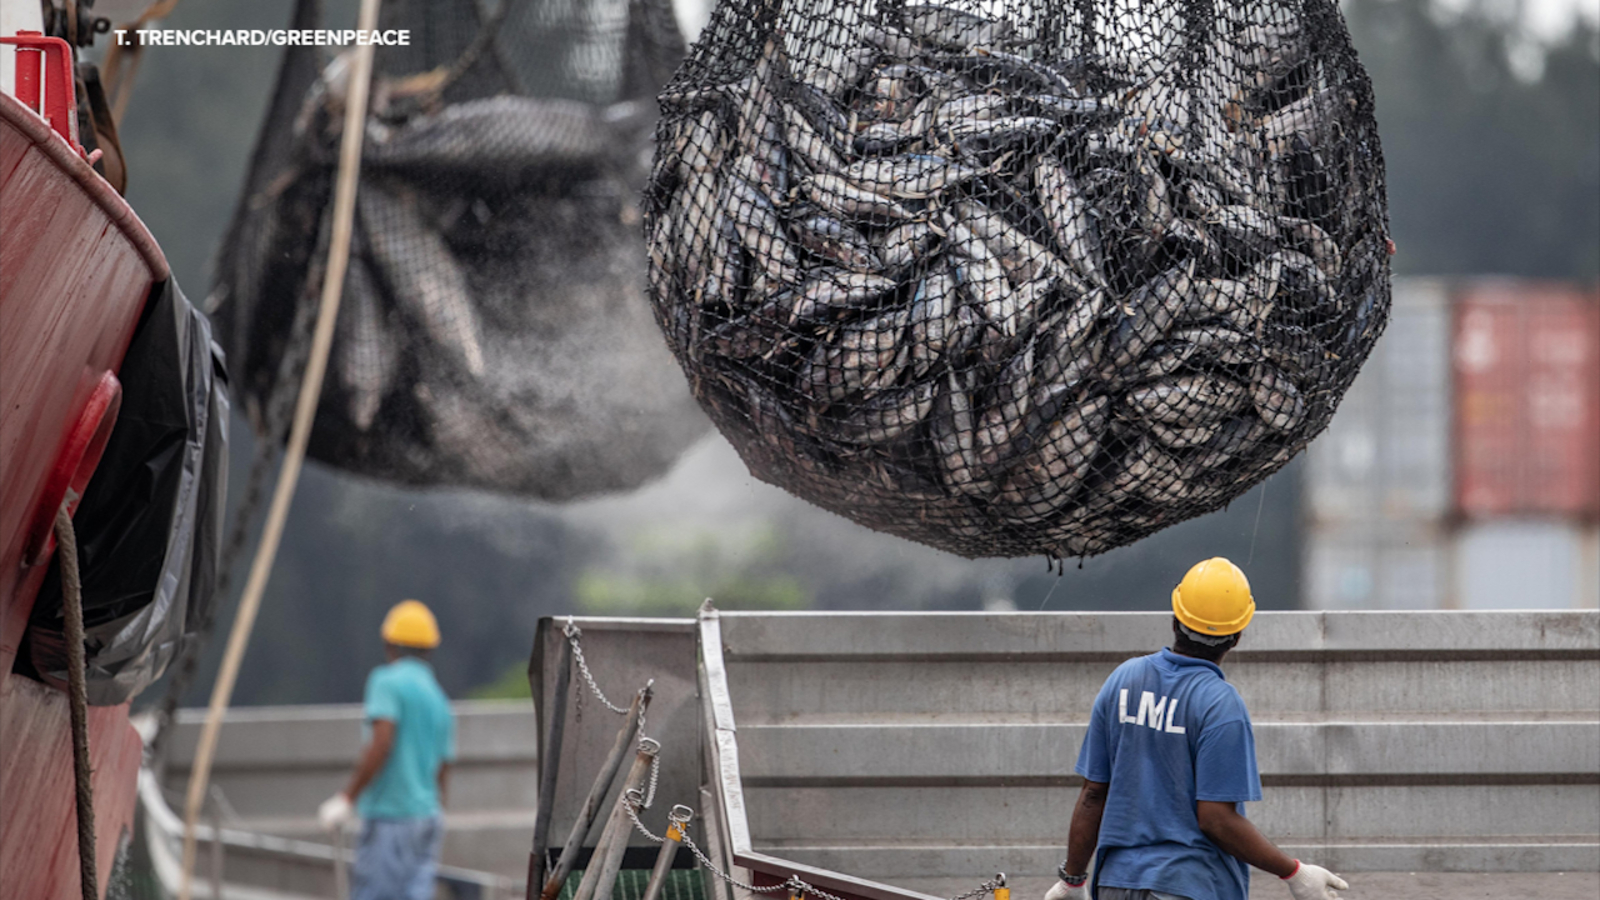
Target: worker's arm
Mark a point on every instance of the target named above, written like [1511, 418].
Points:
[1084, 834]
[1232, 832]
[1082, 838]
[372, 758]
[444, 784]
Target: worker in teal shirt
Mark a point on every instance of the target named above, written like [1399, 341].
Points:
[1168, 765]
[400, 781]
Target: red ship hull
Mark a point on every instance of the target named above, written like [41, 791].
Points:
[76, 268]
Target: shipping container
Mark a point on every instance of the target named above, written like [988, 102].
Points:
[1385, 564]
[1527, 400]
[1524, 564]
[1386, 454]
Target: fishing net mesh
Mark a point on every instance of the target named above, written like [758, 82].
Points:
[1014, 278]
[493, 330]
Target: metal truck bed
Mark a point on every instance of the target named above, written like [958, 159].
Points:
[890, 756]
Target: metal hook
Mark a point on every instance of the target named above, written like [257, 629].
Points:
[649, 745]
[680, 814]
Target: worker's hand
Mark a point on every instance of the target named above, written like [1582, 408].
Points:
[1063, 891]
[1314, 883]
[335, 812]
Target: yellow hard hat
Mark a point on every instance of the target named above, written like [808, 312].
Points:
[411, 624]
[1214, 598]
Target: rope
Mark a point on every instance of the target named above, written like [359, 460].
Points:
[119, 86]
[77, 697]
[300, 434]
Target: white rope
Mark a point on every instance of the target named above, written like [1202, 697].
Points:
[310, 389]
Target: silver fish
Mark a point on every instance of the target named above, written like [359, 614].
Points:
[368, 359]
[501, 137]
[1307, 237]
[761, 231]
[934, 326]
[1229, 346]
[837, 242]
[1243, 230]
[1008, 409]
[1068, 213]
[980, 135]
[1234, 438]
[905, 244]
[1188, 400]
[834, 193]
[913, 176]
[1276, 398]
[1148, 315]
[816, 150]
[953, 28]
[1024, 260]
[974, 107]
[831, 290]
[889, 414]
[1045, 480]
[867, 355]
[952, 432]
[1184, 438]
[983, 279]
[422, 275]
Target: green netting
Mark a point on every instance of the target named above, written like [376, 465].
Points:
[682, 884]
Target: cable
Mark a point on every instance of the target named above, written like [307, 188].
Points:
[299, 435]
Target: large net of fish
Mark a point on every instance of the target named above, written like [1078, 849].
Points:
[1011, 278]
[493, 330]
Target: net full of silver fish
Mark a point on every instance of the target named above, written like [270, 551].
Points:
[1016, 279]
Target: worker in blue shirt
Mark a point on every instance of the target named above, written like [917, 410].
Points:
[1168, 764]
[400, 780]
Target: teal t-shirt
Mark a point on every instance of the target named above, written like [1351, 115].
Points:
[406, 693]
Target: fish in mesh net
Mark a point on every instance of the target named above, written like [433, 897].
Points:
[493, 331]
[1016, 279]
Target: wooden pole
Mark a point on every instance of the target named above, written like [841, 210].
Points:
[606, 862]
[597, 795]
[676, 820]
[344, 203]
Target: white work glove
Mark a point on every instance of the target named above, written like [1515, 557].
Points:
[335, 812]
[1314, 883]
[1063, 891]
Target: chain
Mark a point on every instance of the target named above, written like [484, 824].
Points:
[998, 881]
[635, 800]
[793, 884]
[655, 777]
[573, 632]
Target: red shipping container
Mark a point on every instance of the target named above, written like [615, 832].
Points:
[1527, 409]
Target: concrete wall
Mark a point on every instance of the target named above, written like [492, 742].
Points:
[275, 764]
[930, 750]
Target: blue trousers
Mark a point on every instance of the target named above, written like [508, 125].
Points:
[397, 859]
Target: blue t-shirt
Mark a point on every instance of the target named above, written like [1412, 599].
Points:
[406, 693]
[1167, 731]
